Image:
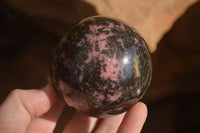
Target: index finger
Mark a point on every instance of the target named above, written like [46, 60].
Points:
[21, 106]
[134, 119]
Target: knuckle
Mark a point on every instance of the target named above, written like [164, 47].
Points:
[15, 92]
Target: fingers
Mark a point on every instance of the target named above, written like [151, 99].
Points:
[80, 123]
[134, 119]
[130, 122]
[110, 124]
[47, 122]
[22, 105]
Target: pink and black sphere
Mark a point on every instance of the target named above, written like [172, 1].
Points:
[102, 67]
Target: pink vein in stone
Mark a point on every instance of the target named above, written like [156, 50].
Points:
[81, 42]
[102, 45]
[122, 27]
[91, 55]
[105, 87]
[120, 108]
[113, 85]
[115, 97]
[99, 96]
[112, 69]
[95, 28]
[111, 25]
[131, 87]
[100, 39]
[121, 42]
[136, 40]
[92, 38]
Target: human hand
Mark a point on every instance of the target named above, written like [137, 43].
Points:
[37, 111]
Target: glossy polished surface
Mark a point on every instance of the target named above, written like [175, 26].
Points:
[102, 67]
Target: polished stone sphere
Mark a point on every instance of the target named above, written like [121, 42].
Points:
[101, 67]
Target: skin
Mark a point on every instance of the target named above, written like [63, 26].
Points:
[30, 111]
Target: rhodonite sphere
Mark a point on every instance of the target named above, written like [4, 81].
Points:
[101, 67]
